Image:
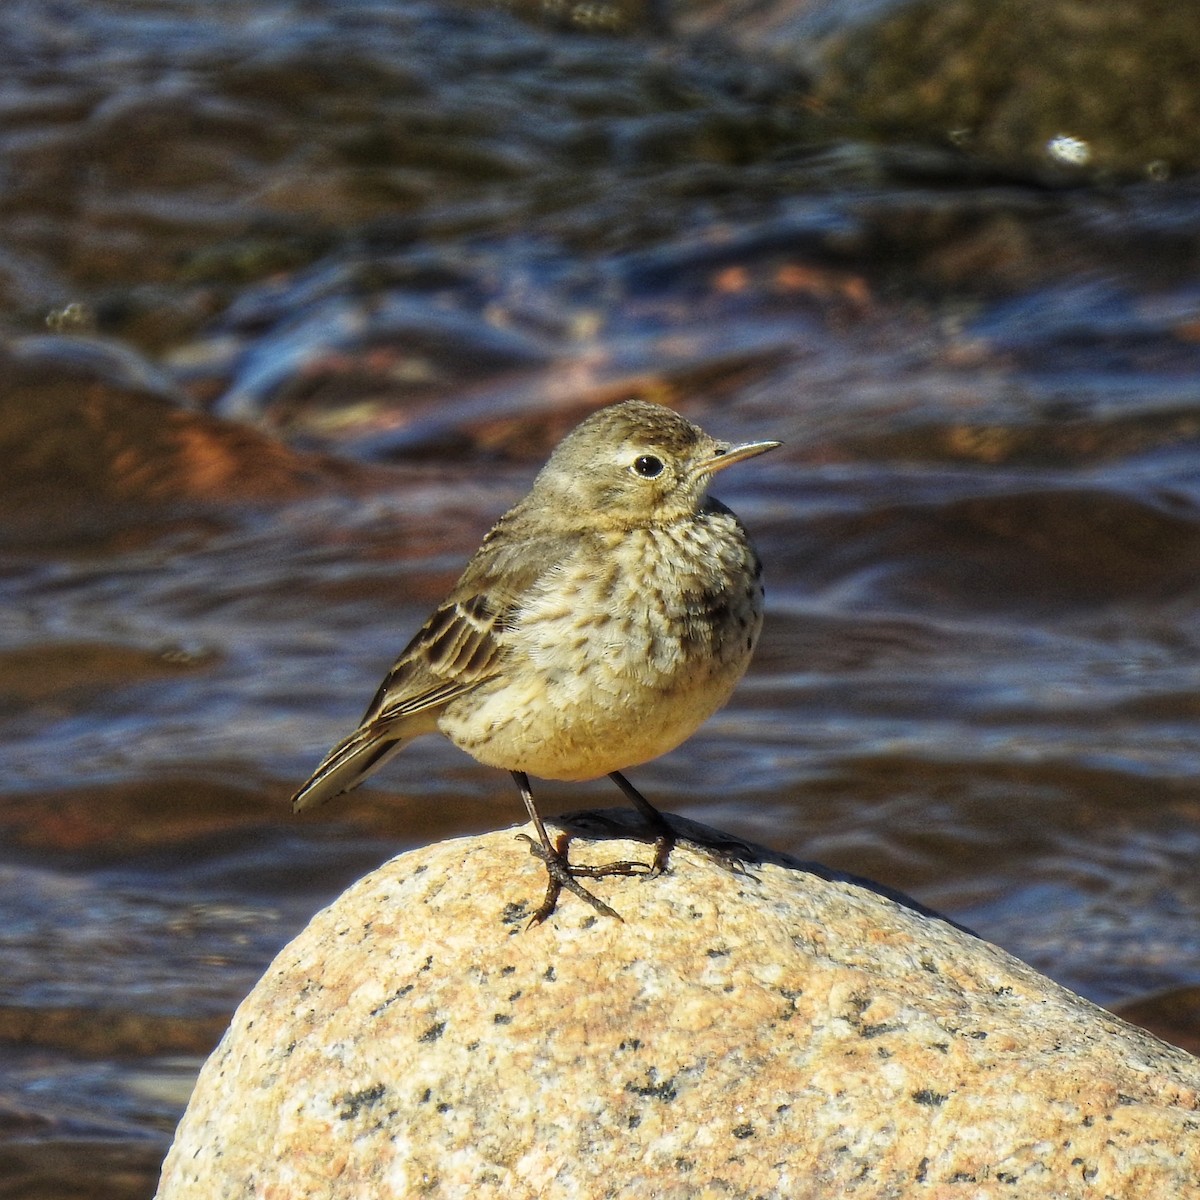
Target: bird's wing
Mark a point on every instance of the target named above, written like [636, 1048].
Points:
[463, 643]
[461, 646]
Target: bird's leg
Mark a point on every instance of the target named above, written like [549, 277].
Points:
[560, 872]
[664, 835]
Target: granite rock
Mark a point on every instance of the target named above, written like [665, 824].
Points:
[753, 1027]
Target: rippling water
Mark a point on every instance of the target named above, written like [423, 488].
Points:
[410, 245]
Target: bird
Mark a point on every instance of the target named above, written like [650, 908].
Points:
[602, 620]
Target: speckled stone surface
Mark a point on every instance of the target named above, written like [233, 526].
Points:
[764, 1034]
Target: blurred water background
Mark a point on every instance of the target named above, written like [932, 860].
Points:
[295, 296]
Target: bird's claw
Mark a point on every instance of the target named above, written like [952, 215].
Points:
[561, 873]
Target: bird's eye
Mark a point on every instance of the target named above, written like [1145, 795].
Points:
[647, 466]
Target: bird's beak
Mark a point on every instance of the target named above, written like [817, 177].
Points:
[736, 454]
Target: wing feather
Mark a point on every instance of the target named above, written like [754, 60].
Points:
[459, 647]
[462, 645]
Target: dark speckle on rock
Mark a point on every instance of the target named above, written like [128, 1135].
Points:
[355, 1102]
[657, 1091]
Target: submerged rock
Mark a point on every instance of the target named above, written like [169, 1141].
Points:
[88, 428]
[768, 1029]
[1064, 90]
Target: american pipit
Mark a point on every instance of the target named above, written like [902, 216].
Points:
[604, 618]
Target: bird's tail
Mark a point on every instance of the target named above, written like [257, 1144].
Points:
[349, 763]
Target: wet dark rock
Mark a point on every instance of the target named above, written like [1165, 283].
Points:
[1065, 91]
[88, 424]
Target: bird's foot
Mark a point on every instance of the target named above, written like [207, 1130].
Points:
[562, 873]
[657, 825]
[664, 843]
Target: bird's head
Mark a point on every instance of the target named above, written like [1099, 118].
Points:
[635, 464]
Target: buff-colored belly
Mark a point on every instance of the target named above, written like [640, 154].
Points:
[572, 729]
